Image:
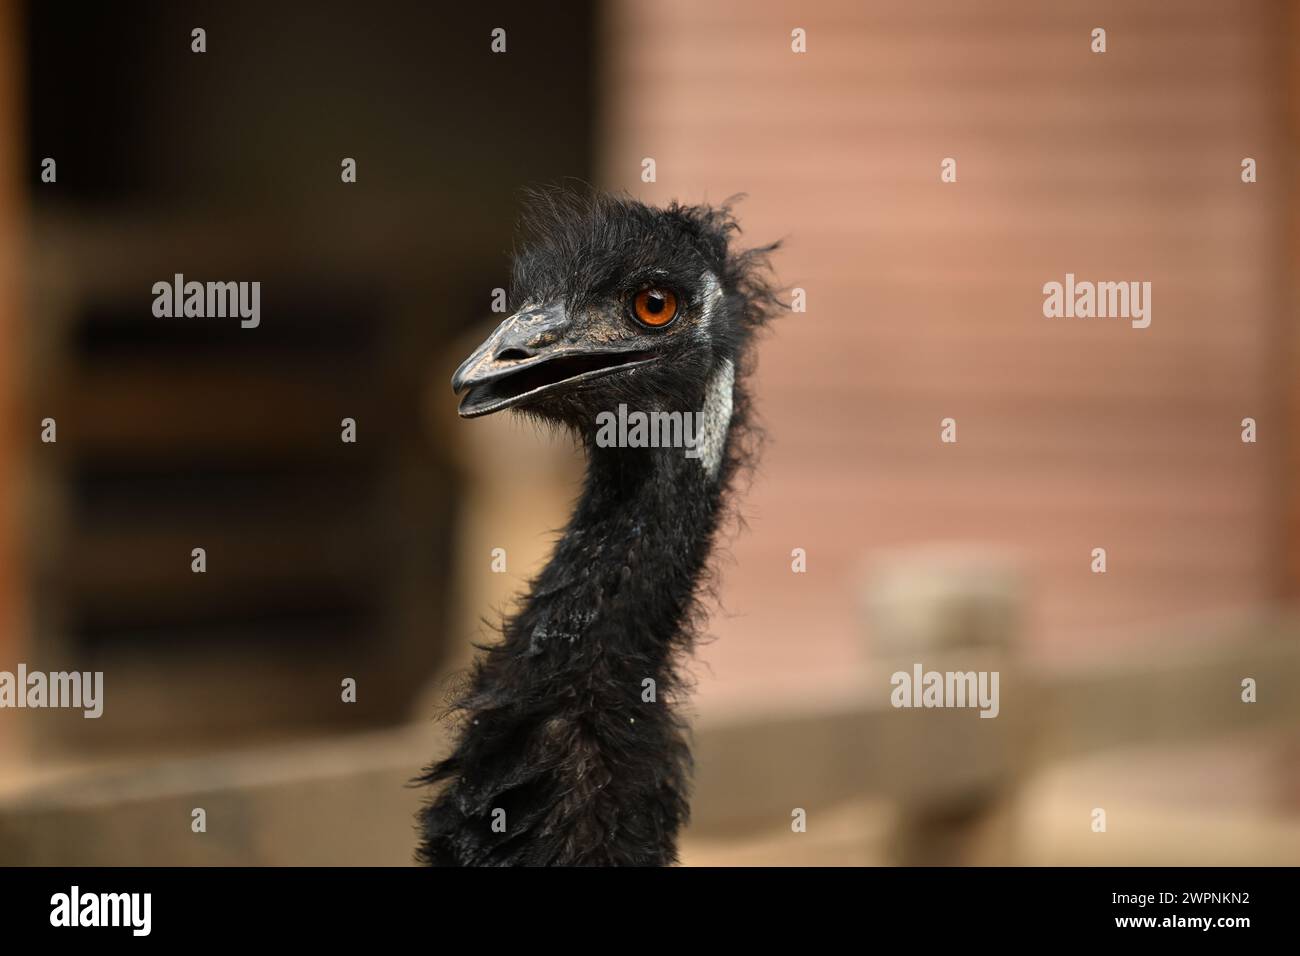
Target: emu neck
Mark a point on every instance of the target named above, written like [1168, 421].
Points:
[627, 566]
[569, 733]
[627, 569]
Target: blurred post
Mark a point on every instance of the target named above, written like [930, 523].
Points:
[1290, 346]
[951, 768]
[12, 623]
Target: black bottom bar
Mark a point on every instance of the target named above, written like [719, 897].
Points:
[607, 909]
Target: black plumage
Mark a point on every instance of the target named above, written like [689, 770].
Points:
[560, 759]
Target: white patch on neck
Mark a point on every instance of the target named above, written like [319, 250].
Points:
[712, 296]
[716, 418]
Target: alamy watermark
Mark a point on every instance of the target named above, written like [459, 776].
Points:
[922, 688]
[75, 690]
[130, 910]
[636, 429]
[1101, 300]
[209, 300]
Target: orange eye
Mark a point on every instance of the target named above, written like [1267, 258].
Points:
[655, 307]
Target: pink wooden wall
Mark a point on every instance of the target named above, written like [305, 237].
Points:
[925, 299]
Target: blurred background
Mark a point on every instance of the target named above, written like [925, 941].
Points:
[1120, 691]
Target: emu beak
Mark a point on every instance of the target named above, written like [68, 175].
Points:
[533, 353]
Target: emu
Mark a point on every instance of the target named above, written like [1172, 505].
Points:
[569, 750]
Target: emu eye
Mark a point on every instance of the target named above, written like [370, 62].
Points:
[655, 307]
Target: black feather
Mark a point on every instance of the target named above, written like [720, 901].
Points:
[552, 726]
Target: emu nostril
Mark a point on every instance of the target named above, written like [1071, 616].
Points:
[512, 355]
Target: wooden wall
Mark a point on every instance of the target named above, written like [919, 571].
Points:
[925, 299]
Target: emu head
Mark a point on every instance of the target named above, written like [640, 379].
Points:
[615, 302]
